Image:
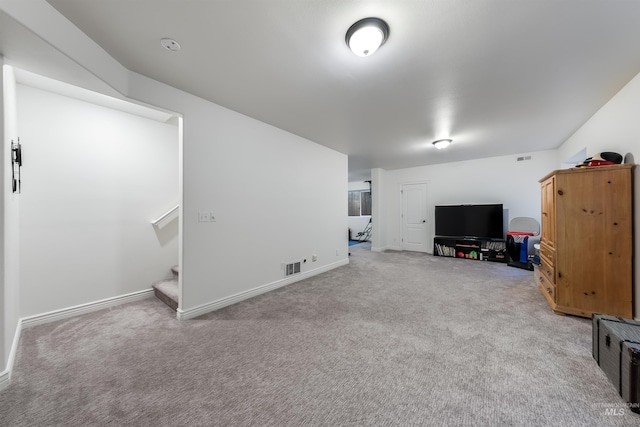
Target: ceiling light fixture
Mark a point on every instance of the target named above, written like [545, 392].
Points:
[441, 143]
[367, 35]
[170, 44]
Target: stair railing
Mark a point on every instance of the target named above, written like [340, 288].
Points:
[166, 218]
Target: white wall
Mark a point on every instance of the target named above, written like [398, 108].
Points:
[93, 179]
[3, 305]
[358, 223]
[378, 211]
[276, 196]
[10, 262]
[615, 127]
[490, 180]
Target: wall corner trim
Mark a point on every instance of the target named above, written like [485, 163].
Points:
[233, 299]
[5, 376]
[5, 379]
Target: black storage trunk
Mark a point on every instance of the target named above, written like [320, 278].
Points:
[630, 370]
[596, 319]
[616, 348]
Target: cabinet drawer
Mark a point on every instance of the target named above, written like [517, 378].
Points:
[548, 271]
[546, 285]
[547, 253]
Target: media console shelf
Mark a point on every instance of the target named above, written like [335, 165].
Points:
[470, 248]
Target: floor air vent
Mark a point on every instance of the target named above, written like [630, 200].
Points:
[291, 269]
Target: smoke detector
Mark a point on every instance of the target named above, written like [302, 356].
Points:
[170, 44]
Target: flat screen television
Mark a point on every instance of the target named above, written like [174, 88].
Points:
[480, 221]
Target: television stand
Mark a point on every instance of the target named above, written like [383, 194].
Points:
[480, 249]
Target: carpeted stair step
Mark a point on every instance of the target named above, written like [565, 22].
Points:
[167, 292]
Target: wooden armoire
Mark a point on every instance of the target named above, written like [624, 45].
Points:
[586, 241]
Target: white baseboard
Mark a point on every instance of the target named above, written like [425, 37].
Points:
[5, 379]
[5, 376]
[65, 313]
[233, 299]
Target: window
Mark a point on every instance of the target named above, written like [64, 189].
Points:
[365, 203]
[359, 203]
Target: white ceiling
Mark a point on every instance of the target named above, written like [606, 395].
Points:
[497, 76]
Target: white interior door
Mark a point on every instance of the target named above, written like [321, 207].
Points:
[414, 217]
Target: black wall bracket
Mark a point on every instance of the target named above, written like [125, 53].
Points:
[16, 164]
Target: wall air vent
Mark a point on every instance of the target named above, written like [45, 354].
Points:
[523, 158]
[291, 268]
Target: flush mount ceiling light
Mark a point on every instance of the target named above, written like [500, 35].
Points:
[367, 35]
[170, 44]
[442, 143]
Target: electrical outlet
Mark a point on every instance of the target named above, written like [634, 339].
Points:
[204, 216]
